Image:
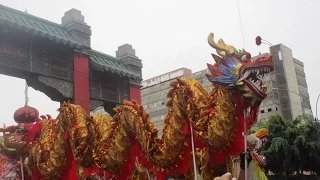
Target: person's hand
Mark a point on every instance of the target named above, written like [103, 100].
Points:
[243, 156]
[226, 176]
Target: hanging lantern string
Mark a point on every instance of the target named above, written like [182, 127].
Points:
[26, 98]
[26, 90]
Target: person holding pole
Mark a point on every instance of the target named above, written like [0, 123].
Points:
[228, 176]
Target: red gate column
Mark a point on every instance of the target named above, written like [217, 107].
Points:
[81, 82]
[74, 24]
[135, 93]
[127, 56]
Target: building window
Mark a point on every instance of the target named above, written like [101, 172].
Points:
[276, 108]
[280, 55]
[271, 96]
[262, 111]
[269, 109]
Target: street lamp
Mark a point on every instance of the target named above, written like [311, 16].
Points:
[317, 107]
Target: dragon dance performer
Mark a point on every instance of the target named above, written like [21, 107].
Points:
[256, 168]
[256, 161]
[243, 156]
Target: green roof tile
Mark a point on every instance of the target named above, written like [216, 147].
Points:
[35, 25]
[108, 63]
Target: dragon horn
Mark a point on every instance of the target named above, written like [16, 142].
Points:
[212, 43]
[222, 48]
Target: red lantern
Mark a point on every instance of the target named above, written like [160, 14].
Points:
[26, 115]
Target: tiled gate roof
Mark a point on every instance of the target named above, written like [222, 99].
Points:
[108, 63]
[34, 25]
[55, 32]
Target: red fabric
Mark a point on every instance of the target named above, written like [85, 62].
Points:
[128, 167]
[34, 131]
[93, 170]
[71, 167]
[183, 162]
[36, 175]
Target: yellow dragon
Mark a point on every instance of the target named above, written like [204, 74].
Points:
[113, 143]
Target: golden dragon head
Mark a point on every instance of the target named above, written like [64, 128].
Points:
[262, 134]
[235, 69]
[257, 139]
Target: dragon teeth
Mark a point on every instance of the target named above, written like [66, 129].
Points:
[246, 74]
[259, 73]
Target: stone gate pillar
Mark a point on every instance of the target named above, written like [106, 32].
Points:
[73, 22]
[128, 57]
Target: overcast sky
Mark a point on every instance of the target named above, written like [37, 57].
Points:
[170, 34]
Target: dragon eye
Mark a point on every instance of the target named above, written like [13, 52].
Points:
[248, 56]
[244, 58]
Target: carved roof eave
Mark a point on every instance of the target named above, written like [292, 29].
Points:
[35, 32]
[100, 67]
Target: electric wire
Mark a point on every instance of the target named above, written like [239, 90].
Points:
[239, 14]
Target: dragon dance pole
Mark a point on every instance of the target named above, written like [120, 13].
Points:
[245, 146]
[193, 153]
[104, 175]
[26, 103]
[21, 166]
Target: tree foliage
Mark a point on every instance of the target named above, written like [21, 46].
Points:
[293, 146]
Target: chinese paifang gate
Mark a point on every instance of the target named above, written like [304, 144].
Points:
[126, 146]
